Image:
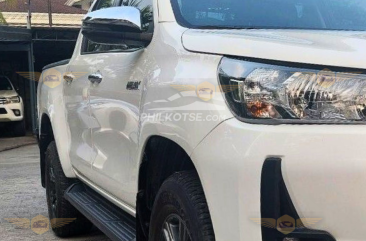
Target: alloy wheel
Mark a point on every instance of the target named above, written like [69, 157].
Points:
[175, 229]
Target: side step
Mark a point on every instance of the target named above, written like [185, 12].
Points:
[111, 220]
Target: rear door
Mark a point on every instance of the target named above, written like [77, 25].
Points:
[77, 92]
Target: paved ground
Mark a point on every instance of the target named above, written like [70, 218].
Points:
[8, 143]
[21, 196]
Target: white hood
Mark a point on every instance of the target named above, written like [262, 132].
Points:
[8, 93]
[332, 48]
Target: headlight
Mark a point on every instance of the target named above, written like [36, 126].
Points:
[13, 99]
[269, 94]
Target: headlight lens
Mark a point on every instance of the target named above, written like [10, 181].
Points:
[263, 93]
[13, 99]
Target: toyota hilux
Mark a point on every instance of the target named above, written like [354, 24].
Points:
[209, 120]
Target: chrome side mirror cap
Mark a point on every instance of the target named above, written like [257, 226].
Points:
[128, 17]
[115, 25]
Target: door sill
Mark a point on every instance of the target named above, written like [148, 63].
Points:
[127, 208]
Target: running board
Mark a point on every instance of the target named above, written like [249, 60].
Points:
[111, 220]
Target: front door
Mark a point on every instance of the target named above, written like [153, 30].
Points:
[114, 105]
[115, 96]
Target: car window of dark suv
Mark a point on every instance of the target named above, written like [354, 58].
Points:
[146, 9]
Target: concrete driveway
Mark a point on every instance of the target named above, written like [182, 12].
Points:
[8, 141]
[21, 196]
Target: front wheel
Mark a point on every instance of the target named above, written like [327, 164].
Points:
[180, 211]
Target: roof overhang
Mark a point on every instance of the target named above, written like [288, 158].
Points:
[18, 19]
[9, 34]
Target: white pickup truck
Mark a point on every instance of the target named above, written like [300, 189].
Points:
[209, 120]
[11, 108]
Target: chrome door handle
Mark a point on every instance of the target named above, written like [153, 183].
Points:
[69, 78]
[96, 78]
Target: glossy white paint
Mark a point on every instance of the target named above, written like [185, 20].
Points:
[166, 13]
[117, 202]
[101, 130]
[76, 100]
[115, 116]
[118, 133]
[333, 48]
[323, 168]
[51, 103]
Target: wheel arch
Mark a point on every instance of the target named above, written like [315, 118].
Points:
[161, 158]
[45, 138]
[47, 134]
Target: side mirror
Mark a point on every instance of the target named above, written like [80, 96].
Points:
[115, 25]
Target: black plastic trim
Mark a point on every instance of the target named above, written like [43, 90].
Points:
[276, 202]
[3, 111]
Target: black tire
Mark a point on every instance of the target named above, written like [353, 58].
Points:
[181, 198]
[19, 128]
[59, 209]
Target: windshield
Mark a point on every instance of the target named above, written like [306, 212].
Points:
[5, 84]
[278, 14]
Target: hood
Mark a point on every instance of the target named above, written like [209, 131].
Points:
[8, 93]
[330, 48]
